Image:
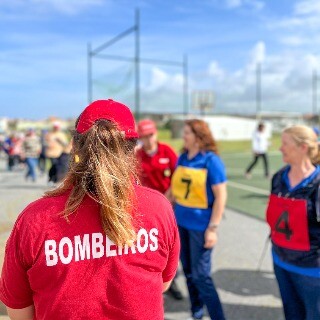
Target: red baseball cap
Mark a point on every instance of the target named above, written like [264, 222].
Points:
[146, 127]
[108, 110]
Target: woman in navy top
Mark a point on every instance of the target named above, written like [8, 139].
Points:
[294, 218]
[199, 189]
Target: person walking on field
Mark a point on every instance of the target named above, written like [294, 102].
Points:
[293, 215]
[99, 246]
[260, 145]
[157, 163]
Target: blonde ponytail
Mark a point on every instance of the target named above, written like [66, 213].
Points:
[103, 166]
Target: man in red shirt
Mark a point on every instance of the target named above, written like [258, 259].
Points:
[157, 163]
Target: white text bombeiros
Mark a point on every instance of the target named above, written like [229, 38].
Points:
[96, 245]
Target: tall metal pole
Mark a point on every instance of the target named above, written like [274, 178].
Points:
[89, 74]
[137, 65]
[185, 85]
[137, 61]
[258, 90]
[314, 92]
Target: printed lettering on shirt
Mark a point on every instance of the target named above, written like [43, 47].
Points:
[95, 246]
[82, 249]
[164, 160]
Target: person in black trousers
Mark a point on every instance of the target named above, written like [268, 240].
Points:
[260, 147]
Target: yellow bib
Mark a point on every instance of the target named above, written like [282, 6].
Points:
[189, 187]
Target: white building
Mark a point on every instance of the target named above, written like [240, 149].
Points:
[225, 128]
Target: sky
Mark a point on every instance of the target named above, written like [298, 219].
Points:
[43, 54]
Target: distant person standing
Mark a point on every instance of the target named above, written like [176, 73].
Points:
[7, 148]
[260, 145]
[31, 148]
[42, 156]
[157, 160]
[12, 147]
[2, 139]
[56, 142]
[63, 162]
[157, 163]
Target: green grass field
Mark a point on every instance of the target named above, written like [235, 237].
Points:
[247, 196]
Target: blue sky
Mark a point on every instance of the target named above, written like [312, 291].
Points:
[43, 45]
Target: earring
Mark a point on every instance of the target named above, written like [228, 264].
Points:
[76, 159]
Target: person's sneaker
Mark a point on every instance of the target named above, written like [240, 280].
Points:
[197, 315]
[248, 176]
[175, 292]
[269, 176]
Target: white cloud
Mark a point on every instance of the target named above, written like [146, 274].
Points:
[254, 4]
[307, 7]
[300, 29]
[64, 6]
[234, 3]
[305, 14]
[293, 40]
[258, 53]
[71, 6]
[312, 61]
[163, 80]
[215, 70]
[158, 79]
[286, 81]
[178, 81]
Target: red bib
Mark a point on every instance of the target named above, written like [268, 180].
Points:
[288, 222]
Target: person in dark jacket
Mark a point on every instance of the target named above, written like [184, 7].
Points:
[294, 217]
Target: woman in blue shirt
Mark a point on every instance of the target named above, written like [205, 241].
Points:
[199, 189]
[294, 218]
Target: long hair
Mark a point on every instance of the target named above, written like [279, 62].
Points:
[103, 166]
[203, 134]
[305, 135]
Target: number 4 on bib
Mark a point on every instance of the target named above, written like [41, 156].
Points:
[282, 225]
[288, 222]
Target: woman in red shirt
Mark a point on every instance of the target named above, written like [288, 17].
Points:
[157, 162]
[93, 248]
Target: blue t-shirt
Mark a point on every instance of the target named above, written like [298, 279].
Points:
[210, 165]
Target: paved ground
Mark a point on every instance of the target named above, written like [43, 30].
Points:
[246, 293]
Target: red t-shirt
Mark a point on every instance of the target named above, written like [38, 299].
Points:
[73, 271]
[156, 170]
